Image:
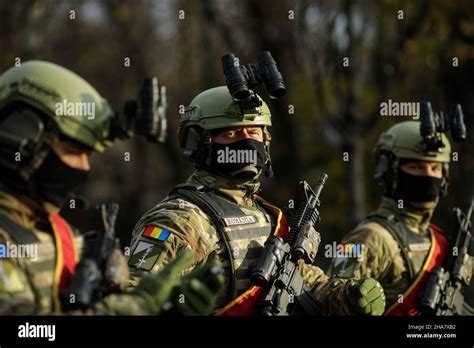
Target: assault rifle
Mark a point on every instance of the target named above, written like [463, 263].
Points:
[277, 269]
[444, 291]
[93, 278]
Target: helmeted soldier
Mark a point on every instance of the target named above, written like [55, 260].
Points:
[400, 243]
[50, 121]
[218, 214]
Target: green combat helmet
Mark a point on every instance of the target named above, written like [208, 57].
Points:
[404, 141]
[216, 109]
[41, 100]
[233, 105]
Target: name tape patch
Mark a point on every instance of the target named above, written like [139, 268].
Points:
[419, 246]
[240, 220]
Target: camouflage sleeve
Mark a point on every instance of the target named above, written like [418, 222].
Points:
[165, 230]
[17, 297]
[377, 253]
[121, 304]
[16, 294]
[329, 291]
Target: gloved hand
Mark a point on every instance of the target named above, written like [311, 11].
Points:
[198, 291]
[366, 296]
[157, 287]
[195, 293]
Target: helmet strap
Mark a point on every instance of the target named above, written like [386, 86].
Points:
[445, 182]
[205, 157]
[268, 171]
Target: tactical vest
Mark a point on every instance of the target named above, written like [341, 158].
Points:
[47, 270]
[418, 258]
[243, 233]
[413, 247]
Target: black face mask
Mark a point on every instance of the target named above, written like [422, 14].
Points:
[414, 188]
[243, 159]
[55, 180]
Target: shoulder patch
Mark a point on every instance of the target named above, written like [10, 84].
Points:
[156, 233]
[145, 255]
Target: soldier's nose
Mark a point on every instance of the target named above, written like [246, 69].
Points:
[244, 134]
[85, 164]
[80, 162]
[424, 172]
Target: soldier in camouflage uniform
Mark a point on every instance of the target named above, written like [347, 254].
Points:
[43, 156]
[217, 213]
[399, 243]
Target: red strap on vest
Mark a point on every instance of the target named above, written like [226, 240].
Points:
[66, 256]
[245, 303]
[435, 258]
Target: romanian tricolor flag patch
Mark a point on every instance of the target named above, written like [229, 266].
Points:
[156, 233]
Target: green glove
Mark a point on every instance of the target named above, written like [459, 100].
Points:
[157, 288]
[366, 296]
[198, 291]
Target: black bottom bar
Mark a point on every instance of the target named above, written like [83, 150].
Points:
[165, 331]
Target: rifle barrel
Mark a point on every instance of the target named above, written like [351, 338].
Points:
[320, 185]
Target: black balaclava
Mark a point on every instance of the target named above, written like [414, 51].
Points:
[55, 180]
[415, 188]
[243, 159]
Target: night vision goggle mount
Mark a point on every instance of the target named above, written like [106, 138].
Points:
[145, 115]
[241, 80]
[433, 124]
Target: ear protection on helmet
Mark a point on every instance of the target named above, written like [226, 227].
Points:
[23, 132]
[196, 144]
[386, 172]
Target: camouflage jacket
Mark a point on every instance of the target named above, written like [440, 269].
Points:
[27, 278]
[175, 224]
[380, 255]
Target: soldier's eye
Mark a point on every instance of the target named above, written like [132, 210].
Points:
[255, 131]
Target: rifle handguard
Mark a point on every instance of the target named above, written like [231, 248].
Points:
[307, 244]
